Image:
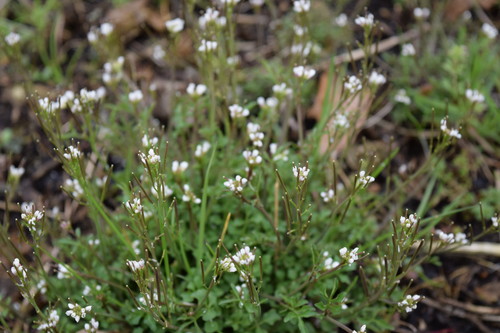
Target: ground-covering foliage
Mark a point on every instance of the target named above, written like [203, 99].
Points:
[242, 166]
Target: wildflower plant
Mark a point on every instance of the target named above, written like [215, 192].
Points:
[232, 205]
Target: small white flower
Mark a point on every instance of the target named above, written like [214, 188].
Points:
[421, 13]
[353, 84]
[158, 53]
[227, 265]
[244, 256]
[210, 16]
[12, 38]
[474, 96]
[202, 149]
[301, 6]
[136, 265]
[151, 158]
[236, 185]
[330, 264]
[299, 30]
[196, 90]
[270, 103]
[62, 272]
[328, 195]
[179, 167]
[189, 196]
[303, 72]
[158, 189]
[207, 46]
[135, 205]
[451, 132]
[408, 50]
[252, 157]
[76, 311]
[282, 156]
[93, 35]
[254, 134]
[91, 327]
[51, 322]
[361, 330]
[237, 111]
[175, 26]
[30, 215]
[135, 96]
[365, 179]
[408, 222]
[301, 173]
[233, 61]
[376, 79]
[490, 31]
[149, 142]
[341, 121]
[18, 270]
[494, 221]
[42, 286]
[106, 29]
[73, 186]
[16, 172]
[72, 153]
[341, 20]
[349, 256]
[366, 21]
[409, 303]
[451, 238]
[281, 90]
[461, 238]
[66, 98]
[402, 97]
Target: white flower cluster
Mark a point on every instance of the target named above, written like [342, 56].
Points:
[179, 167]
[237, 111]
[454, 132]
[202, 149]
[12, 38]
[236, 185]
[158, 53]
[196, 90]
[366, 21]
[16, 172]
[135, 205]
[175, 26]
[364, 178]
[73, 186]
[76, 311]
[160, 188]
[135, 96]
[51, 322]
[408, 222]
[281, 90]
[91, 327]
[136, 265]
[451, 238]
[303, 72]
[408, 50]
[341, 20]
[494, 221]
[211, 16]
[90, 96]
[474, 96]
[349, 256]
[254, 134]
[104, 30]
[402, 97]
[361, 330]
[30, 215]
[227, 265]
[353, 84]
[189, 196]
[151, 158]
[490, 31]
[252, 157]
[301, 6]
[113, 71]
[329, 263]
[421, 13]
[328, 195]
[301, 173]
[148, 142]
[409, 303]
[18, 270]
[376, 79]
[244, 256]
[72, 153]
[62, 272]
[305, 50]
[270, 103]
[281, 156]
[207, 46]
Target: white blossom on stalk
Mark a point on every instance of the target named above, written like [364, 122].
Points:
[76, 311]
[152, 157]
[236, 185]
[361, 330]
[402, 97]
[179, 167]
[252, 157]
[42, 286]
[408, 222]
[202, 149]
[30, 215]
[474, 96]
[301, 173]
[16, 172]
[158, 188]
[353, 84]
[135, 205]
[301, 6]
[490, 31]
[73, 186]
[454, 132]
[328, 195]
[281, 156]
[158, 53]
[421, 13]
[365, 179]
[196, 90]
[270, 103]
[91, 327]
[329, 263]
[51, 322]
[135, 96]
[72, 153]
[409, 303]
[136, 265]
[341, 121]
[254, 134]
[113, 71]
[366, 21]
[207, 46]
[148, 142]
[341, 20]
[281, 90]
[62, 272]
[377, 79]
[494, 221]
[227, 265]
[66, 99]
[189, 196]
[408, 50]
[303, 72]
[299, 30]
[106, 28]
[237, 111]
[18, 270]
[349, 256]
[12, 38]
[244, 256]
[175, 26]
[451, 238]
